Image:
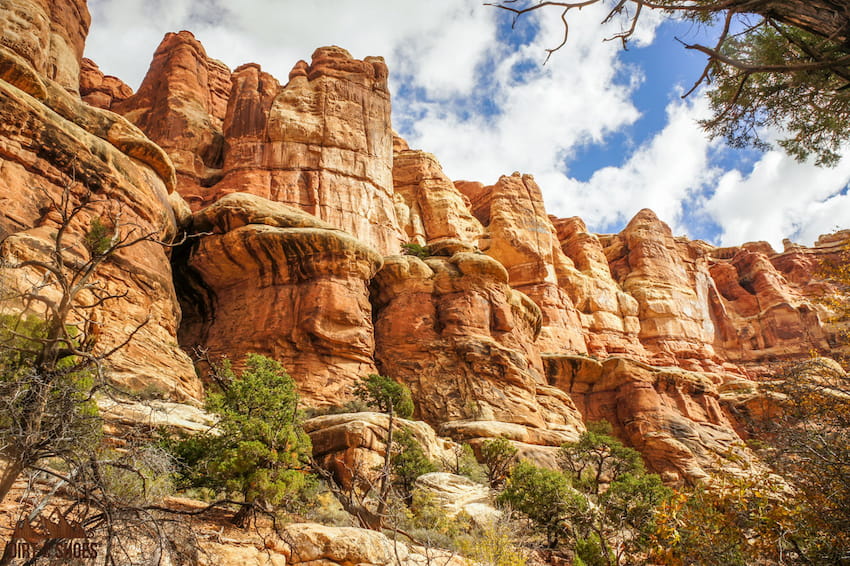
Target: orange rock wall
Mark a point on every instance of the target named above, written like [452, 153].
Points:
[513, 323]
[51, 143]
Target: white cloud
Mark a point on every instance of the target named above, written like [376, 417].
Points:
[781, 198]
[664, 174]
[440, 40]
[544, 112]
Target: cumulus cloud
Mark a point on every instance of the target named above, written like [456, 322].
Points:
[664, 174]
[781, 198]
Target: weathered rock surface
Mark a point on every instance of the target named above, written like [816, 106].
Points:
[181, 105]
[672, 416]
[322, 142]
[669, 278]
[43, 39]
[270, 279]
[315, 545]
[354, 444]
[453, 330]
[458, 494]
[609, 315]
[99, 90]
[50, 143]
[430, 209]
[523, 239]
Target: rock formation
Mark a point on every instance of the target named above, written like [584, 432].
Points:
[522, 238]
[430, 209]
[287, 285]
[181, 106]
[297, 197]
[322, 142]
[463, 340]
[43, 39]
[53, 144]
[672, 416]
[99, 90]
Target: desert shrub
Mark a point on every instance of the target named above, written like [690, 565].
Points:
[408, 462]
[417, 250]
[257, 450]
[496, 543]
[386, 395]
[543, 496]
[461, 461]
[603, 505]
[498, 455]
[139, 475]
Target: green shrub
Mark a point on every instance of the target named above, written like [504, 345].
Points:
[408, 462]
[99, 237]
[542, 495]
[462, 462]
[385, 395]
[258, 451]
[416, 250]
[498, 455]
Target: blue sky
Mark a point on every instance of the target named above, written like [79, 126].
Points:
[604, 131]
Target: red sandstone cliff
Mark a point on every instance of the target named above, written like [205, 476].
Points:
[52, 142]
[517, 324]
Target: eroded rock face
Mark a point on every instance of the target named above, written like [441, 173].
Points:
[455, 332]
[669, 278]
[763, 313]
[99, 90]
[53, 143]
[313, 544]
[609, 315]
[458, 494]
[181, 105]
[353, 445]
[321, 143]
[44, 38]
[430, 209]
[672, 416]
[522, 238]
[269, 279]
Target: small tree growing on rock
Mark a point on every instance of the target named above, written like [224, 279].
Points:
[257, 450]
[499, 456]
[49, 369]
[393, 399]
[603, 502]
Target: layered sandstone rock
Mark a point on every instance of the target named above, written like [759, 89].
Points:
[269, 279]
[453, 330]
[181, 105]
[43, 38]
[673, 417]
[521, 237]
[314, 545]
[353, 445]
[609, 315]
[321, 143]
[458, 494]
[762, 314]
[99, 90]
[430, 209]
[670, 280]
[53, 144]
